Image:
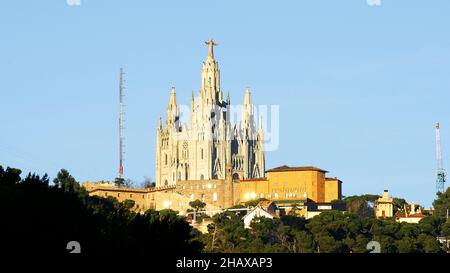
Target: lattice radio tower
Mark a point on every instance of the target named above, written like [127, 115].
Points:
[121, 129]
[440, 172]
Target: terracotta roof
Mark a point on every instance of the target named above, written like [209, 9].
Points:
[254, 179]
[286, 168]
[332, 179]
[265, 203]
[417, 215]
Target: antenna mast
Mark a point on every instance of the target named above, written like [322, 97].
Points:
[440, 172]
[121, 131]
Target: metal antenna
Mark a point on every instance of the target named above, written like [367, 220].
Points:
[121, 131]
[440, 172]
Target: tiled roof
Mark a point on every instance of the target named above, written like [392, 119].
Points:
[286, 168]
[254, 179]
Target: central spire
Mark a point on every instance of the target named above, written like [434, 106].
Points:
[210, 92]
[211, 45]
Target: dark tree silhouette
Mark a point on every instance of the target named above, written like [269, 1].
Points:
[38, 218]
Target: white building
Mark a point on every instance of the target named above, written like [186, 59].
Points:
[202, 149]
[256, 212]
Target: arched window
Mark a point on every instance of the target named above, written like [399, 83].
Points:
[165, 159]
[166, 183]
[214, 196]
[201, 154]
[202, 177]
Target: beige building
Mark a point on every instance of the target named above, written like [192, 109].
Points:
[152, 198]
[384, 206]
[202, 149]
[222, 193]
[293, 183]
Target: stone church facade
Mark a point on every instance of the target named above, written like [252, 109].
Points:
[204, 148]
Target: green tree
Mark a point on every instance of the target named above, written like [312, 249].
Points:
[442, 203]
[65, 181]
[119, 181]
[263, 228]
[445, 230]
[103, 226]
[197, 205]
[303, 242]
[9, 177]
[407, 245]
[360, 204]
[129, 204]
[431, 225]
[429, 244]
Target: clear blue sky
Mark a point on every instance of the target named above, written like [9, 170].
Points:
[359, 87]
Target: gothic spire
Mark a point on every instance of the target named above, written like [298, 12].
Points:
[247, 99]
[172, 107]
[247, 110]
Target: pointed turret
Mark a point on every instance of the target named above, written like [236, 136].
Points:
[160, 123]
[247, 99]
[172, 108]
[247, 111]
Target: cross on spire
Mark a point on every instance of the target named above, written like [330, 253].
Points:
[211, 45]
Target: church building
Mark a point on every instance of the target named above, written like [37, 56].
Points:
[202, 149]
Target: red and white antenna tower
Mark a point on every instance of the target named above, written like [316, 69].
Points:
[121, 129]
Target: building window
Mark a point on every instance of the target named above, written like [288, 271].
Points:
[201, 154]
[214, 196]
[261, 195]
[118, 195]
[106, 194]
[192, 196]
[202, 177]
[131, 196]
[203, 196]
[165, 161]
